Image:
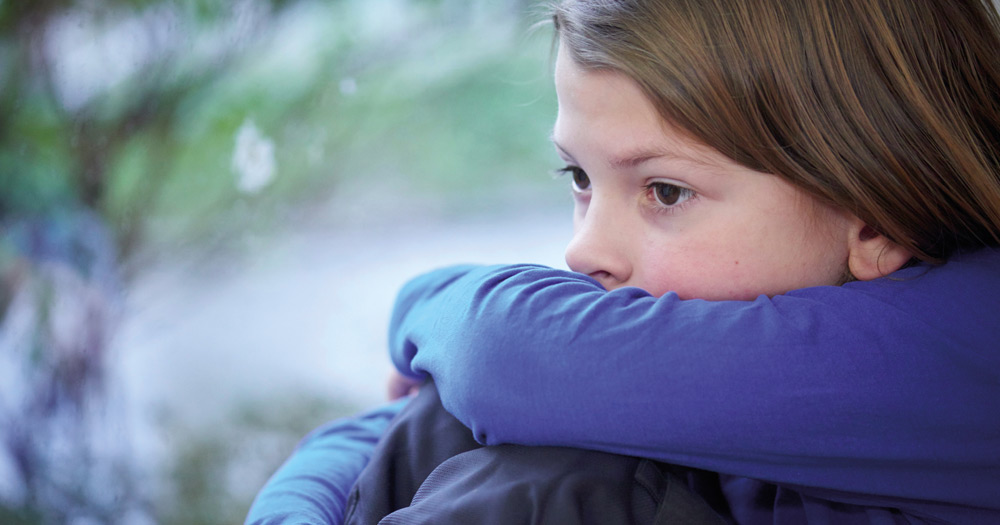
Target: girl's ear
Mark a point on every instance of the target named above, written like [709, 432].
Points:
[871, 255]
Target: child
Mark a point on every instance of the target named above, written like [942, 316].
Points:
[761, 155]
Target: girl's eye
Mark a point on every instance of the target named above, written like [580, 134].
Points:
[670, 195]
[581, 182]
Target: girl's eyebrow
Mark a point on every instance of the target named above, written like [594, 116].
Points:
[629, 160]
[635, 159]
[562, 152]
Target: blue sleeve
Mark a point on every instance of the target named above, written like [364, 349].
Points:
[313, 485]
[862, 387]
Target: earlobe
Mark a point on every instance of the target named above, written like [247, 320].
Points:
[872, 255]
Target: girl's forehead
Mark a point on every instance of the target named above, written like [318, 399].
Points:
[606, 114]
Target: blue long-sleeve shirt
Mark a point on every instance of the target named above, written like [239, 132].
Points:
[883, 394]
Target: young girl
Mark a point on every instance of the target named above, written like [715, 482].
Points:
[785, 267]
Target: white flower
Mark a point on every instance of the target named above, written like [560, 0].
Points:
[253, 159]
[348, 86]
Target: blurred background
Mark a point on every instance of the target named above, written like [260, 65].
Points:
[206, 208]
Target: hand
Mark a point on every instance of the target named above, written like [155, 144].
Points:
[400, 385]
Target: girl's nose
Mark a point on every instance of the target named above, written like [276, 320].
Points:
[599, 247]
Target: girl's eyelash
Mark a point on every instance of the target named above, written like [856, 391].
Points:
[566, 170]
[581, 182]
[680, 195]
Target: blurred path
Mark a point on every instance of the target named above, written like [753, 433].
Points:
[307, 314]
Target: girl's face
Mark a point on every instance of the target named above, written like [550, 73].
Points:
[657, 210]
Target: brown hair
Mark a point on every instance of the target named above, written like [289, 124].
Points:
[889, 109]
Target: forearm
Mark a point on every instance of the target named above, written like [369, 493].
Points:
[784, 389]
[313, 484]
[514, 342]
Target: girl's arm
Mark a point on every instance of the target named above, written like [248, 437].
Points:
[848, 388]
[313, 484]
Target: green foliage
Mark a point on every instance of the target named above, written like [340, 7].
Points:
[19, 516]
[444, 108]
[443, 115]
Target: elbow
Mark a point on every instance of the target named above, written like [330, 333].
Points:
[481, 404]
[473, 417]
[472, 396]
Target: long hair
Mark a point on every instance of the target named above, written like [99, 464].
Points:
[888, 109]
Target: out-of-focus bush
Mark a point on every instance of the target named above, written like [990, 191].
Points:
[164, 116]
[129, 128]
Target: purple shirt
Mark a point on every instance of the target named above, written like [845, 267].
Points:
[874, 402]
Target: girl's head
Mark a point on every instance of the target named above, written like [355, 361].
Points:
[765, 145]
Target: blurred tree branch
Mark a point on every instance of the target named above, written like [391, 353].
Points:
[93, 135]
